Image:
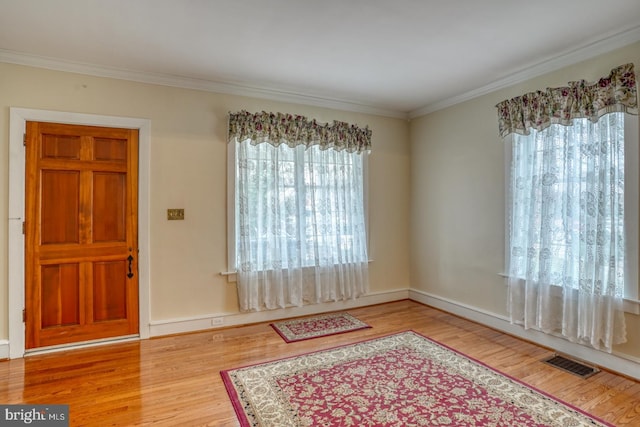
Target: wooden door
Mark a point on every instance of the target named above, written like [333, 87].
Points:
[81, 233]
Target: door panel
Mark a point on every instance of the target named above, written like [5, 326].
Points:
[60, 146]
[59, 221]
[110, 149]
[109, 290]
[108, 214]
[60, 296]
[81, 233]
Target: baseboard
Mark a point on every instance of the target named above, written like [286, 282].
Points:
[4, 349]
[216, 321]
[615, 362]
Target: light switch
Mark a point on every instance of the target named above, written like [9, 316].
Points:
[175, 214]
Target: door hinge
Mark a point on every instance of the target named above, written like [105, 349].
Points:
[24, 315]
[24, 139]
[23, 227]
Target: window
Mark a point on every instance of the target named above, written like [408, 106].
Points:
[298, 206]
[297, 229]
[553, 180]
[572, 221]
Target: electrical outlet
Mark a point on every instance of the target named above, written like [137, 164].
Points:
[173, 214]
[217, 321]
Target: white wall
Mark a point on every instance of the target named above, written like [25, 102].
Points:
[188, 170]
[436, 194]
[458, 202]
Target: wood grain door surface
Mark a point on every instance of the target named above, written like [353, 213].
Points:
[81, 189]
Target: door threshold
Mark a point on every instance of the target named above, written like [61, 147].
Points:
[79, 345]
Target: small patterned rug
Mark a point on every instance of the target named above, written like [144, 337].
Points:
[317, 326]
[400, 380]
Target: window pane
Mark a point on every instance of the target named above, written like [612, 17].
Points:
[298, 206]
[567, 204]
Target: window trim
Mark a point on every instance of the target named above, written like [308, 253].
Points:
[231, 212]
[631, 203]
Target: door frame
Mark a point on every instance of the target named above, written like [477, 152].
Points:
[17, 127]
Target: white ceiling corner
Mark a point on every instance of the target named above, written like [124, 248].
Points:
[403, 59]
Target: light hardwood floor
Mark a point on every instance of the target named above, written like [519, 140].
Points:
[175, 381]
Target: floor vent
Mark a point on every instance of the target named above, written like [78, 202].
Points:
[571, 366]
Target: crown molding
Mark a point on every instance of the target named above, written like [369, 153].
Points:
[567, 58]
[36, 61]
[570, 57]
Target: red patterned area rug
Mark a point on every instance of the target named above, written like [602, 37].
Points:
[400, 380]
[317, 326]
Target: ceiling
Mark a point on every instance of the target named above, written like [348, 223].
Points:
[391, 57]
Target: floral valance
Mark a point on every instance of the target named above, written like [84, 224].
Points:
[560, 105]
[293, 130]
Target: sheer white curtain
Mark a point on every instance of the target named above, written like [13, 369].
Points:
[566, 270]
[300, 224]
[566, 251]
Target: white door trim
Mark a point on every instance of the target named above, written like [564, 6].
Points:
[17, 125]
